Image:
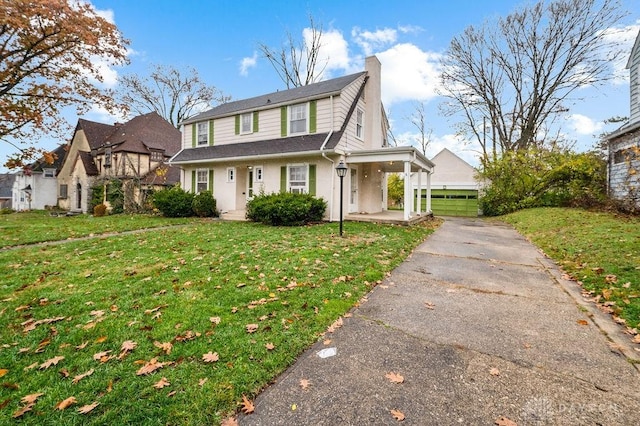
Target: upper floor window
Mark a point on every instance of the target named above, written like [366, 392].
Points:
[157, 156]
[203, 133]
[298, 118]
[49, 173]
[359, 123]
[246, 123]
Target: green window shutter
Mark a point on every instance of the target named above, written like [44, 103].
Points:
[312, 179]
[283, 179]
[194, 134]
[193, 181]
[255, 121]
[237, 124]
[210, 132]
[313, 114]
[283, 121]
[211, 180]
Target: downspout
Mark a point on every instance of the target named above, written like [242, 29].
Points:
[324, 144]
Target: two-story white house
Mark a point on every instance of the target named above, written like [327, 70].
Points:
[35, 187]
[292, 140]
[624, 144]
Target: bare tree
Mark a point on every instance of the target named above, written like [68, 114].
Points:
[512, 78]
[423, 139]
[174, 94]
[297, 63]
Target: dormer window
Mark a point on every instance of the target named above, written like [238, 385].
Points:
[157, 156]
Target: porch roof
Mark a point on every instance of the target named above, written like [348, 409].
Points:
[392, 159]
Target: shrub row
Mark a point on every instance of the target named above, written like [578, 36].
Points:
[286, 209]
[176, 202]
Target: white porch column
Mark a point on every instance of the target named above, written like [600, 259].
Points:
[419, 194]
[429, 193]
[407, 190]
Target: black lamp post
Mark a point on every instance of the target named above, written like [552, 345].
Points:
[341, 170]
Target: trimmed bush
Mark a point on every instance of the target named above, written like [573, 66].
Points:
[174, 202]
[99, 210]
[204, 205]
[286, 209]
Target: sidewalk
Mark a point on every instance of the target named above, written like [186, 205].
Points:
[481, 326]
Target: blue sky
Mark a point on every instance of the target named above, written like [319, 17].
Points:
[219, 38]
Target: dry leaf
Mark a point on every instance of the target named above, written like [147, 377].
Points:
[128, 345]
[270, 346]
[3, 371]
[30, 399]
[215, 320]
[161, 383]
[166, 346]
[336, 325]
[494, 372]
[230, 421]
[582, 322]
[394, 377]
[201, 382]
[252, 328]
[82, 345]
[101, 356]
[53, 361]
[22, 411]
[88, 408]
[101, 339]
[210, 357]
[82, 376]
[150, 367]
[247, 406]
[429, 305]
[304, 384]
[398, 415]
[503, 421]
[66, 403]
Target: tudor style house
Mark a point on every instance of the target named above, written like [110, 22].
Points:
[35, 187]
[135, 153]
[624, 144]
[292, 140]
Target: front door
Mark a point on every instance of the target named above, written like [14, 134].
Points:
[353, 193]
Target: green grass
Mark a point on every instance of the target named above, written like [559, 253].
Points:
[39, 226]
[600, 250]
[166, 285]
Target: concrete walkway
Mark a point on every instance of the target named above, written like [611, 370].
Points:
[481, 327]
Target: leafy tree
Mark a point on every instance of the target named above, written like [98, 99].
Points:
[52, 53]
[174, 94]
[395, 189]
[510, 79]
[297, 62]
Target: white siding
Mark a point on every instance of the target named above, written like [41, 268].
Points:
[634, 86]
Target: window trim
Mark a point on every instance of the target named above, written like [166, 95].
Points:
[205, 126]
[305, 105]
[249, 117]
[198, 181]
[305, 167]
[231, 174]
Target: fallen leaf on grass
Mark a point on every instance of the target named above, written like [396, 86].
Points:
[251, 328]
[305, 383]
[165, 346]
[31, 398]
[88, 408]
[82, 346]
[215, 320]
[102, 356]
[398, 415]
[79, 377]
[503, 421]
[127, 346]
[201, 382]
[21, 412]
[231, 421]
[65, 403]
[53, 361]
[394, 377]
[247, 406]
[210, 357]
[161, 383]
[3, 371]
[150, 367]
[270, 346]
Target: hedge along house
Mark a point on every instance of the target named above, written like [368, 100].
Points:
[292, 140]
[134, 153]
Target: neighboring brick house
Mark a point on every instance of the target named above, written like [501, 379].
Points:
[624, 144]
[134, 152]
[35, 187]
[292, 140]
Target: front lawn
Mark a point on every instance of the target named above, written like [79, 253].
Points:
[38, 226]
[174, 326]
[600, 250]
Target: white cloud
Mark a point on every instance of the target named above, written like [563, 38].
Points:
[374, 40]
[584, 125]
[334, 52]
[466, 150]
[101, 115]
[409, 73]
[623, 38]
[248, 62]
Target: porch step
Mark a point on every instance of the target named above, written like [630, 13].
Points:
[234, 215]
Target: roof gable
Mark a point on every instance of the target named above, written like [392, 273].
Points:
[314, 90]
[144, 133]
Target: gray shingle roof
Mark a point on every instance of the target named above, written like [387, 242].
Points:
[305, 143]
[314, 90]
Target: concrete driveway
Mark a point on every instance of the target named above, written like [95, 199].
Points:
[482, 328]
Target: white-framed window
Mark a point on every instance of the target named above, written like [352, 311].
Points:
[49, 173]
[298, 118]
[258, 174]
[246, 123]
[297, 177]
[202, 180]
[203, 133]
[359, 123]
[231, 174]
